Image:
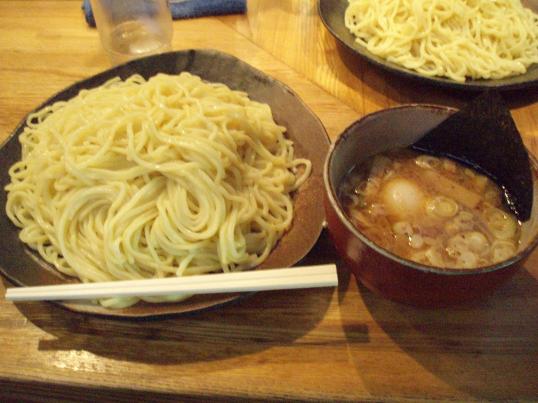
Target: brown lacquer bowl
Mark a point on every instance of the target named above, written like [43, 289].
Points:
[380, 270]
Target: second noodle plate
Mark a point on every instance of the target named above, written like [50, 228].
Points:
[332, 15]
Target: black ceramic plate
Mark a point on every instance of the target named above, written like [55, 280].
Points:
[24, 267]
[332, 14]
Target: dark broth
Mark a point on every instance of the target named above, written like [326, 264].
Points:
[430, 210]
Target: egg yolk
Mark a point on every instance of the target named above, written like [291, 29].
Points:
[403, 197]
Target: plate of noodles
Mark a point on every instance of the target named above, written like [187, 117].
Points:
[449, 43]
[184, 163]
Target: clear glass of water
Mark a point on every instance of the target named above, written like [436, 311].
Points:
[133, 28]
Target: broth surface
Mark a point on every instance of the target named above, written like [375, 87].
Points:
[430, 210]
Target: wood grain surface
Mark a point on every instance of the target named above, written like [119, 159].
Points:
[325, 344]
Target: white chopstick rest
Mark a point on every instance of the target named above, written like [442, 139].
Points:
[259, 280]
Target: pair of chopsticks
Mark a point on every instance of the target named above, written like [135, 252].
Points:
[259, 280]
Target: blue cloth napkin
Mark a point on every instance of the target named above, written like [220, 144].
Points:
[188, 8]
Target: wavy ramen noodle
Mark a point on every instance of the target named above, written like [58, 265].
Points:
[479, 39]
[147, 179]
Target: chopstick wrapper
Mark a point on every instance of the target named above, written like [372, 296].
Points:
[188, 8]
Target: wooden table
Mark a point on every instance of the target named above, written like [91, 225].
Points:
[325, 344]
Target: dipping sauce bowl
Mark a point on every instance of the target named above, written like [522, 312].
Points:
[381, 271]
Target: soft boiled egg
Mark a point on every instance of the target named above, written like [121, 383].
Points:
[402, 197]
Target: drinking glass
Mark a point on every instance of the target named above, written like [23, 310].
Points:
[133, 28]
